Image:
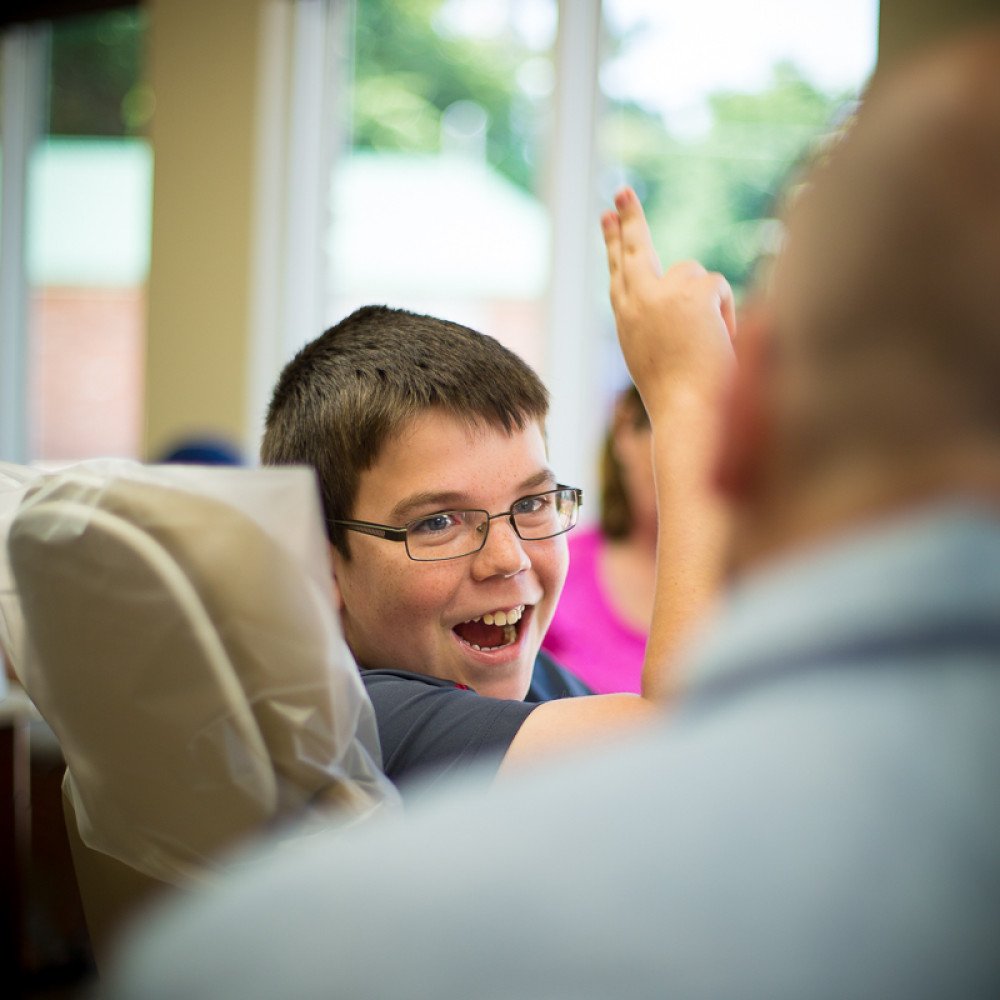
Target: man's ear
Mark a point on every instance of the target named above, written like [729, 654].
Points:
[744, 440]
[338, 600]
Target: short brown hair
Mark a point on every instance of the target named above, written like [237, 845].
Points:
[356, 385]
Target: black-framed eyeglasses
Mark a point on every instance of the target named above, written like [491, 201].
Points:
[451, 534]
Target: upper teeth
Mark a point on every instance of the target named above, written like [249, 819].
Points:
[501, 617]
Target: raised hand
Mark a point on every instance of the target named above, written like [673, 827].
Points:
[676, 328]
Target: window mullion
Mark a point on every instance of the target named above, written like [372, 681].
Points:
[25, 58]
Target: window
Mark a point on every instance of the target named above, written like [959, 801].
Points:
[468, 183]
[86, 229]
[458, 161]
[709, 107]
[437, 204]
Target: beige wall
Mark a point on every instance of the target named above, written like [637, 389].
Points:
[203, 63]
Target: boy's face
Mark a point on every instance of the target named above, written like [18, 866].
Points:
[401, 614]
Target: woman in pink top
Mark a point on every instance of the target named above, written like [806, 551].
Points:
[600, 625]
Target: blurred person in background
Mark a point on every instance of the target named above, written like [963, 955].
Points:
[201, 449]
[601, 622]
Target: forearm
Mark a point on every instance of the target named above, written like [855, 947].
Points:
[691, 530]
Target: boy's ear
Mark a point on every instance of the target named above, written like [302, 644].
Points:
[744, 440]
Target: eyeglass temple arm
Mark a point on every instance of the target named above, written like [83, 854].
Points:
[378, 530]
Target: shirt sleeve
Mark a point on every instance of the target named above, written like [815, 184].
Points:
[430, 728]
[551, 681]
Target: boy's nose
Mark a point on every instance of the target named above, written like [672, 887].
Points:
[503, 554]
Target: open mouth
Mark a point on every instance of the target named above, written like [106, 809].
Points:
[493, 630]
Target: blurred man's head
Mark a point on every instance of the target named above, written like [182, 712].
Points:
[874, 378]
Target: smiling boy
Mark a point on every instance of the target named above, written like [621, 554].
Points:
[447, 529]
[475, 618]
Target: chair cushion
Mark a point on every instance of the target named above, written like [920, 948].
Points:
[191, 672]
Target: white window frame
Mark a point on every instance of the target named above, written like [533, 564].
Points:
[22, 114]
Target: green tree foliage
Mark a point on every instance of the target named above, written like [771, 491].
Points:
[96, 74]
[409, 69]
[712, 196]
[708, 196]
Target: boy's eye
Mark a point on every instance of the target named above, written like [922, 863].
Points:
[436, 523]
[531, 505]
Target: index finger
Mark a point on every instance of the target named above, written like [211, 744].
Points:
[639, 257]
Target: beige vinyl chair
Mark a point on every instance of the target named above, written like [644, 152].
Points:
[196, 680]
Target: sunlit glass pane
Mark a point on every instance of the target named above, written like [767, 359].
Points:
[711, 105]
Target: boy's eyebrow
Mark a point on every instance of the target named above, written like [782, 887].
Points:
[426, 500]
[443, 500]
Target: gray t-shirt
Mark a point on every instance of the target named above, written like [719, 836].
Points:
[430, 728]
